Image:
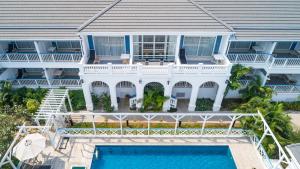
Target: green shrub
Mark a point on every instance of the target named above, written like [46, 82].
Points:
[154, 99]
[295, 106]
[204, 104]
[32, 105]
[231, 104]
[77, 100]
[106, 103]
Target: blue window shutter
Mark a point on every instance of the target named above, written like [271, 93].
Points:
[181, 42]
[217, 45]
[127, 44]
[294, 44]
[91, 42]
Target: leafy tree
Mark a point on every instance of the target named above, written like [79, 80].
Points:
[237, 72]
[77, 99]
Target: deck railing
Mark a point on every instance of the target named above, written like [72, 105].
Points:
[35, 57]
[30, 82]
[285, 88]
[65, 82]
[156, 69]
[20, 57]
[269, 60]
[55, 83]
[61, 57]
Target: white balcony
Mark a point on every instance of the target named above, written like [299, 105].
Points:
[285, 88]
[269, 62]
[33, 83]
[169, 69]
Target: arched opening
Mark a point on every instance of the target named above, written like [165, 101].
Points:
[181, 91]
[206, 95]
[126, 96]
[100, 93]
[153, 97]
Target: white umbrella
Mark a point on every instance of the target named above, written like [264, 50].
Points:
[29, 147]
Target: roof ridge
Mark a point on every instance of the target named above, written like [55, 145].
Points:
[211, 15]
[86, 23]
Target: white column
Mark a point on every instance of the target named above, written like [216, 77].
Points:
[271, 48]
[113, 97]
[167, 93]
[139, 94]
[36, 44]
[193, 99]
[87, 96]
[219, 97]
[177, 50]
[84, 48]
[224, 44]
[47, 77]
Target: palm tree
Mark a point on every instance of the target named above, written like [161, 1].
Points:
[255, 88]
[154, 99]
[277, 119]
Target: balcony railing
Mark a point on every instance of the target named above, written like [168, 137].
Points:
[34, 57]
[267, 59]
[30, 82]
[61, 57]
[156, 70]
[65, 82]
[19, 57]
[285, 88]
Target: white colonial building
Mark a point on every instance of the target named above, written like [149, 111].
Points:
[121, 46]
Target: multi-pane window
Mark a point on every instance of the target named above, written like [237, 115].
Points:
[154, 47]
[109, 46]
[199, 46]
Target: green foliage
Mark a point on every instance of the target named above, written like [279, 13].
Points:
[96, 101]
[279, 122]
[237, 72]
[77, 100]
[32, 105]
[255, 89]
[106, 103]
[295, 106]
[153, 99]
[204, 104]
[231, 104]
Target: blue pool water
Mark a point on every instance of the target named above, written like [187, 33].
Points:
[162, 157]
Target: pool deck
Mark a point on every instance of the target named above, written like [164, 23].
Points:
[79, 152]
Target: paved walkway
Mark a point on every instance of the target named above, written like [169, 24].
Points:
[80, 151]
[295, 117]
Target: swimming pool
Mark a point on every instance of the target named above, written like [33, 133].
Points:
[162, 157]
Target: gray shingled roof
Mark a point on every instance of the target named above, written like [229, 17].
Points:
[258, 19]
[63, 15]
[155, 15]
[250, 19]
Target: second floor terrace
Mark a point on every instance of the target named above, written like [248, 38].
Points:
[272, 56]
[156, 55]
[40, 51]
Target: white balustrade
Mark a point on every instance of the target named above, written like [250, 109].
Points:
[30, 82]
[173, 102]
[132, 102]
[155, 69]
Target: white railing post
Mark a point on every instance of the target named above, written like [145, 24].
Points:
[52, 55]
[236, 57]
[256, 55]
[26, 55]
[72, 57]
[7, 57]
[286, 60]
